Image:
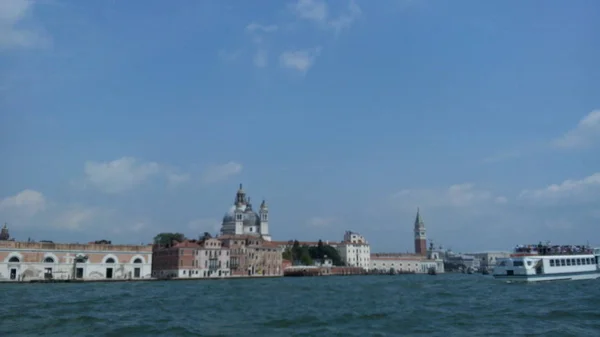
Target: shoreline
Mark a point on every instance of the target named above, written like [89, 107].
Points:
[79, 281]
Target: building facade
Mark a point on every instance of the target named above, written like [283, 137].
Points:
[27, 261]
[241, 219]
[422, 261]
[354, 250]
[253, 256]
[192, 259]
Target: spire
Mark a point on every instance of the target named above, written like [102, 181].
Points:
[263, 205]
[418, 220]
[240, 197]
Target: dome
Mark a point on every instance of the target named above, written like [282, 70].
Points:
[250, 218]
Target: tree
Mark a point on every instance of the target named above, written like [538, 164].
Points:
[205, 236]
[287, 254]
[166, 239]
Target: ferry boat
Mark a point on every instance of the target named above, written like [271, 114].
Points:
[536, 263]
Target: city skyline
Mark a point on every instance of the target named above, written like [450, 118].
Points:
[122, 121]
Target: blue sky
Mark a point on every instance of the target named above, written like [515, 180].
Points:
[122, 119]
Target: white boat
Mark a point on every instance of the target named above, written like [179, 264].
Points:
[537, 263]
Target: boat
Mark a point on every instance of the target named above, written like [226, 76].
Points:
[432, 271]
[545, 262]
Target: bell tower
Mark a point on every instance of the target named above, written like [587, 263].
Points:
[264, 220]
[240, 203]
[420, 237]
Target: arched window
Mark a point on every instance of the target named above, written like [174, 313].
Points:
[49, 260]
[138, 260]
[14, 259]
[110, 260]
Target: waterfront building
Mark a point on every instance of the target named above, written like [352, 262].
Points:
[241, 219]
[488, 260]
[27, 261]
[420, 262]
[191, 259]
[253, 256]
[354, 250]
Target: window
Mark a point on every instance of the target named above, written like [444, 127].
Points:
[568, 262]
[518, 263]
[579, 262]
[49, 260]
[110, 260]
[138, 260]
[562, 262]
[14, 259]
[551, 263]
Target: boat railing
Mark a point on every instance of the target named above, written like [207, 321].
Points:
[551, 250]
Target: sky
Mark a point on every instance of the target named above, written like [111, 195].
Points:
[123, 119]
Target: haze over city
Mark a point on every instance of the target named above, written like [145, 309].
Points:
[123, 119]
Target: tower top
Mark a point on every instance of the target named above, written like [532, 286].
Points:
[418, 219]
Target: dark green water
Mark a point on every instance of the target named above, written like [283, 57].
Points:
[405, 305]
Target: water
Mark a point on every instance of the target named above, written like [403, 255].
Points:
[404, 305]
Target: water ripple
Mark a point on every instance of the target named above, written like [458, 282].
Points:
[405, 305]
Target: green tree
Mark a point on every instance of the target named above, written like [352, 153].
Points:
[287, 254]
[166, 239]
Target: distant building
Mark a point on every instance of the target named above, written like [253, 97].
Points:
[4, 235]
[26, 261]
[192, 259]
[355, 250]
[253, 256]
[420, 262]
[241, 219]
[420, 235]
[489, 259]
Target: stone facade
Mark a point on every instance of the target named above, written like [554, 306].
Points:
[404, 263]
[26, 261]
[224, 256]
[355, 250]
[253, 256]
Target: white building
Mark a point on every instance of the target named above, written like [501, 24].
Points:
[355, 250]
[242, 220]
[28, 261]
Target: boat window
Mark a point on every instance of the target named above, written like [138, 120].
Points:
[573, 262]
[562, 262]
[529, 263]
[551, 263]
[579, 262]
[518, 263]
[587, 260]
[568, 262]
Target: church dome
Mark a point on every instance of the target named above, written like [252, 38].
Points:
[251, 218]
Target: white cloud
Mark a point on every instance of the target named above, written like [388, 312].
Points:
[175, 179]
[255, 27]
[569, 189]
[314, 10]
[76, 217]
[27, 202]
[119, 175]
[460, 195]
[318, 12]
[261, 58]
[300, 60]
[199, 226]
[321, 221]
[584, 134]
[346, 19]
[216, 173]
[13, 31]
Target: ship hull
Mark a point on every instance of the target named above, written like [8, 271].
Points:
[549, 277]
